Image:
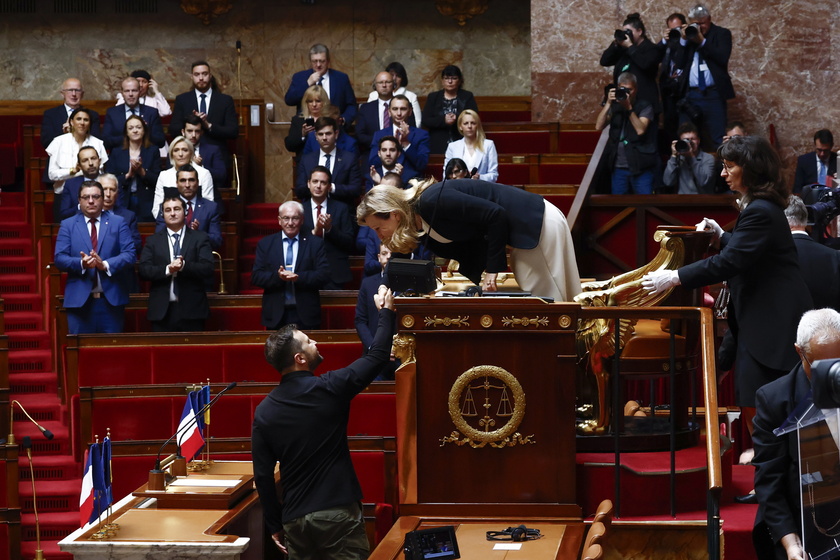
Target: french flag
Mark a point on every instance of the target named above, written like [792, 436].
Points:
[86, 495]
[190, 440]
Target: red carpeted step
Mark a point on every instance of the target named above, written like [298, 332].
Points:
[50, 467]
[13, 199]
[260, 228]
[29, 340]
[261, 211]
[23, 321]
[14, 229]
[54, 525]
[249, 245]
[42, 407]
[53, 495]
[15, 247]
[50, 548]
[44, 382]
[14, 303]
[17, 265]
[29, 361]
[11, 213]
[17, 284]
[59, 445]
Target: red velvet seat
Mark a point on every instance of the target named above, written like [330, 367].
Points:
[521, 142]
[115, 366]
[373, 414]
[136, 419]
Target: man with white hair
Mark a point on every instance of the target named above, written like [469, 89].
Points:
[777, 484]
[291, 266]
[820, 264]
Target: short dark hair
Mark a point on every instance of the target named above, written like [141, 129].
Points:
[186, 169]
[452, 70]
[78, 110]
[733, 125]
[676, 15]
[402, 97]
[687, 127]
[321, 169]
[634, 20]
[389, 138]
[192, 119]
[824, 136]
[761, 168]
[199, 63]
[168, 198]
[281, 347]
[399, 70]
[323, 122]
[454, 164]
[79, 154]
[91, 183]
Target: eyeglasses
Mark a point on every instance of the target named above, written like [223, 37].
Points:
[90, 196]
[286, 219]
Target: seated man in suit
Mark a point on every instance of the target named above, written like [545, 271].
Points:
[66, 202]
[54, 122]
[206, 155]
[200, 214]
[776, 534]
[92, 247]
[115, 117]
[367, 315]
[375, 115]
[177, 260]
[344, 169]
[331, 221]
[820, 264]
[414, 142]
[336, 84]
[215, 110]
[391, 160]
[291, 266]
[818, 166]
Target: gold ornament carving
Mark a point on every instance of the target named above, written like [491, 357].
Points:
[486, 321]
[408, 321]
[205, 10]
[462, 10]
[403, 348]
[565, 321]
[435, 321]
[493, 381]
[525, 321]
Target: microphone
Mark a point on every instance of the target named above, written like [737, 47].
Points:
[239, 47]
[27, 445]
[11, 439]
[192, 421]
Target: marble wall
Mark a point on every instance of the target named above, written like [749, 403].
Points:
[38, 51]
[781, 62]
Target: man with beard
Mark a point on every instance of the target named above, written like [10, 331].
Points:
[302, 424]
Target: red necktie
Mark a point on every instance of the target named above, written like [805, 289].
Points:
[93, 236]
[188, 220]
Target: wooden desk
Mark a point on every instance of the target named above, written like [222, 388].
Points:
[561, 538]
[148, 531]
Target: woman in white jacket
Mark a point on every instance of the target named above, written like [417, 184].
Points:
[474, 148]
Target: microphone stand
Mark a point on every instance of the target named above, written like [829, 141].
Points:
[27, 444]
[11, 438]
[157, 477]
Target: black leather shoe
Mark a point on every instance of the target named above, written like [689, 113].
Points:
[746, 499]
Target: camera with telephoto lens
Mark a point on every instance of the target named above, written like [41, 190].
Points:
[682, 147]
[692, 31]
[621, 34]
[674, 35]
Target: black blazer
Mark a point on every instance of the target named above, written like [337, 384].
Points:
[114, 131]
[119, 163]
[806, 169]
[346, 176]
[716, 53]
[367, 124]
[441, 134]
[769, 294]
[480, 219]
[209, 221]
[313, 273]
[221, 113]
[198, 265]
[339, 241]
[54, 119]
[820, 267]
[777, 463]
[643, 61]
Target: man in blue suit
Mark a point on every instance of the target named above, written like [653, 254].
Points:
[344, 168]
[214, 109]
[92, 247]
[54, 122]
[115, 117]
[199, 214]
[413, 141]
[391, 160]
[206, 155]
[66, 202]
[291, 266]
[335, 83]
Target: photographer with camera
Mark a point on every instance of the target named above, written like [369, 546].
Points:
[631, 151]
[708, 48]
[673, 75]
[689, 169]
[632, 51]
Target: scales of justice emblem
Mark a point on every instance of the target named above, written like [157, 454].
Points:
[487, 405]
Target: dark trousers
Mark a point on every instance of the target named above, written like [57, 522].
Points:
[290, 316]
[713, 124]
[331, 534]
[174, 321]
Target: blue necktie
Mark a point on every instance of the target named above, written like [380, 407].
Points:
[202, 108]
[822, 174]
[290, 261]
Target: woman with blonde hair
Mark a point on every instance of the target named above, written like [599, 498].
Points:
[314, 104]
[473, 222]
[181, 152]
[474, 148]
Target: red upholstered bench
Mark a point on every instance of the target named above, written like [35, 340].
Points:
[521, 141]
[135, 419]
[561, 173]
[373, 414]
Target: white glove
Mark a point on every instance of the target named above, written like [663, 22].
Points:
[709, 224]
[660, 280]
